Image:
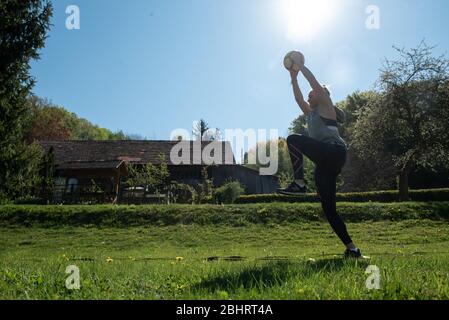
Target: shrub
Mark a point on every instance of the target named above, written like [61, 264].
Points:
[229, 192]
[376, 196]
[181, 193]
[203, 190]
[30, 200]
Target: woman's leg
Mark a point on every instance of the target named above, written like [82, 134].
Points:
[326, 184]
[298, 146]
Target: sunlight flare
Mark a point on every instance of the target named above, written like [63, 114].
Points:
[306, 19]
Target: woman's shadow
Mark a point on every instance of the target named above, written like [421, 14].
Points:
[274, 273]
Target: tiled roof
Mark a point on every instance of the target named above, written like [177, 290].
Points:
[111, 152]
[91, 165]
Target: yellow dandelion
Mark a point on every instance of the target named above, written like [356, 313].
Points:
[109, 260]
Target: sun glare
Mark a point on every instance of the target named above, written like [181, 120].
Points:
[305, 19]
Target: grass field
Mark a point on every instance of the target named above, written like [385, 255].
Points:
[289, 261]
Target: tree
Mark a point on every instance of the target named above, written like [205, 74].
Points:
[200, 129]
[23, 28]
[49, 122]
[205, 188]
[202, 132]
[409, 120]
[150, 176]
[47, 175]
[299, 125]
[46, 122]
[358, 174]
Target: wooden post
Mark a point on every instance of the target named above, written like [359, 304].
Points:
[116, 186]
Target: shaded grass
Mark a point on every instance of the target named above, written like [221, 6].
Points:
[230, 215]
[289, 261]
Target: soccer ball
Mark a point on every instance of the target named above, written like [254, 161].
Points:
[294, 60]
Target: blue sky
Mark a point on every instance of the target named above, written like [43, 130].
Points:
[148, 67]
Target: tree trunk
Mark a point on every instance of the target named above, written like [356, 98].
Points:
[403, 185]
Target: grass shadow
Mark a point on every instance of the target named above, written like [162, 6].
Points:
[333, 265]
[272, 274]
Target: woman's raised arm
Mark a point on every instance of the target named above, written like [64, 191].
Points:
[304, 105]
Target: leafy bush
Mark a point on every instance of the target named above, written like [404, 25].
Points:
[181, 193]
[148, 176]
[30, 200]
[376, 196]
[229, 192]
[204, 189]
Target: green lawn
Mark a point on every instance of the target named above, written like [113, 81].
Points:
[298, 260]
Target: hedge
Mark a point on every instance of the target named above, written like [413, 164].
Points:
[375, 196]
[235, 215]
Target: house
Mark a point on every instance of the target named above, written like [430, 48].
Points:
[78, 162]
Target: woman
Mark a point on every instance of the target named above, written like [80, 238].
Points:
[324, 147]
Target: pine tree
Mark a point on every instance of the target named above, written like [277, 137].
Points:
[23, 28]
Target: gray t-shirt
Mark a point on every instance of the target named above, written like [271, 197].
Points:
[321, 131]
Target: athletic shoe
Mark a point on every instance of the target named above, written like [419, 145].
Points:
[350, 253]
[293, 190]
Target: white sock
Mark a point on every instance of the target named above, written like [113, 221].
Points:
[300, 183]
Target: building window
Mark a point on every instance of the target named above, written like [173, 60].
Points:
[72, 185]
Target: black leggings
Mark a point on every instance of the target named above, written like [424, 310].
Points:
[329, 159]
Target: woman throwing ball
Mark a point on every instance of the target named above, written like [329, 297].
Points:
[323, 146]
